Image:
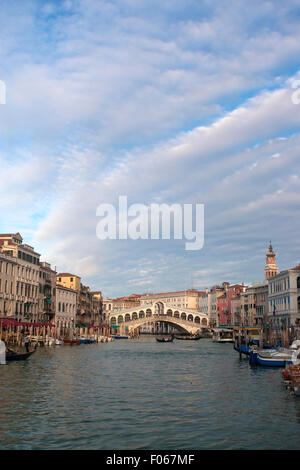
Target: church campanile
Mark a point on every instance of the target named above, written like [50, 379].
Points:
[271, 268]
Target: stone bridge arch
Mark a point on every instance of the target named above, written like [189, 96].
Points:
[188, 320]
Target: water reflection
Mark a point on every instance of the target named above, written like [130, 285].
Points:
[145, 395]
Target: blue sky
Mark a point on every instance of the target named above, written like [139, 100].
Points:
[176, 101]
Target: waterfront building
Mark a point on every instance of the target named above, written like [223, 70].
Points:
[261, 290]
[89, 304]
[27, 274]
[8, 268]
[47, 292]
[248, 307]
[224, 308]
[34, 280]
[66, 307]
[181, 299]
[284, 299]
[97, 302]
[236, 318]
[120, 303]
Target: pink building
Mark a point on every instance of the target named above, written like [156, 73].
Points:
[224, 307]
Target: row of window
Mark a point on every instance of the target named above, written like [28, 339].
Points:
[280, 286]
[27, 257]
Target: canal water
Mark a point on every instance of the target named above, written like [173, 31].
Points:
[140, 394]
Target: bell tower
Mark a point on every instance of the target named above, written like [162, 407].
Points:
[271, 268]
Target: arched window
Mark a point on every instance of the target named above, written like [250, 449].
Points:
[169, 312]
[113, 320]
[197, 320]
[59, 306]
[134, 316]
[142, 314]
[148, 312]
[127, 317]
[176, 314]
[190, 317]
[204, 321]
[183, 316]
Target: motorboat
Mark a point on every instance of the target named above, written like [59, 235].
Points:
[223, 335]
[50, 341]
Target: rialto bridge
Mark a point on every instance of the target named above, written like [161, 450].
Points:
[187, 320]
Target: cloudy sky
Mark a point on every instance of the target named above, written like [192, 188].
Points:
[174, 101]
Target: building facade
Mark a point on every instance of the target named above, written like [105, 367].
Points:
[65, 307]
[284, 299]
[188, 299]
[8, 269]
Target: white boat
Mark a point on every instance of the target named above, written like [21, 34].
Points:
[49, 341]
[58, 342]
[223, 335]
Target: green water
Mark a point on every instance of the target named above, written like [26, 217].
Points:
[140, 394]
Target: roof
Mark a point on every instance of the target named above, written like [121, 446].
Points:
[66, 275]
[181, 292]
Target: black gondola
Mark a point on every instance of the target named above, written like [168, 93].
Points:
[165, 340]
[15, 356]
[190, 338]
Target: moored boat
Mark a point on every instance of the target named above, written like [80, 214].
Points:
[71, 341]
[275, 357]
[223, 335]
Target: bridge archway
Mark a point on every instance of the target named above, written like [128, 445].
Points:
[187, 319]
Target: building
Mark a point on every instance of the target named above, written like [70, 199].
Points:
[8, 269]
[261, 290]
[34, 280]
[47, 291]
[284, 299]
[120, 303]
[89, 304]
[97, 305]
[69, 280]
[66, 307]
[183, 299]
[224, 308]
[236, 317]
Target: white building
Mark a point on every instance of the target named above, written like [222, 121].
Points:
[284, 298]
[66, 307]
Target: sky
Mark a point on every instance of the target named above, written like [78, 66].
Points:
[175, 102]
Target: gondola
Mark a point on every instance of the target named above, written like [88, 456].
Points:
[15, 356]
[189, 338]
[165, 340]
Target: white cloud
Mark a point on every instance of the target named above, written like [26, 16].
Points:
[180, 102]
